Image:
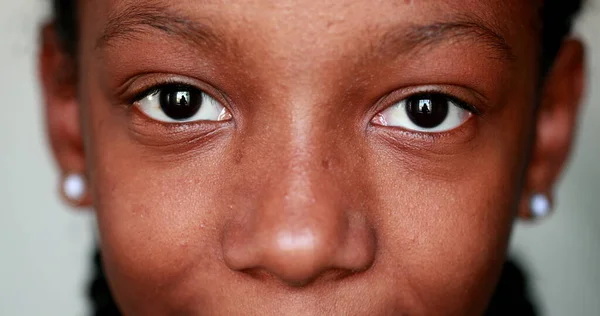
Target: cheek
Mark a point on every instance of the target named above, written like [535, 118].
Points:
[445, 221]
[157, 218]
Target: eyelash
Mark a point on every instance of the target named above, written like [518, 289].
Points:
[456, 100]
[157, 88]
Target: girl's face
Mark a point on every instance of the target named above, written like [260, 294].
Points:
[308, 157]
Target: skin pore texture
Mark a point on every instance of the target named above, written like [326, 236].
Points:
[304, 198]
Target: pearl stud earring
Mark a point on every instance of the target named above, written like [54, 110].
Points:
[74, 187]
[540, 206]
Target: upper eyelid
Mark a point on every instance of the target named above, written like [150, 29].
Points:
[146, 93]
[463, 104]
[156, 89]
[457, 101]
[479, 105]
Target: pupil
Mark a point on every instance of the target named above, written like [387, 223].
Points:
[427, 111]
[180, 103]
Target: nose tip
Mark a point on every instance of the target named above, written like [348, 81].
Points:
[300, 257]
[297, 256]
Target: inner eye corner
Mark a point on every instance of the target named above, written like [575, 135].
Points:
[379, 118]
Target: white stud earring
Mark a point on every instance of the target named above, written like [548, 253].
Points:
[540, 206]
[74, 187]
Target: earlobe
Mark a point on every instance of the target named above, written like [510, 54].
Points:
[555, 123]
[58, 82]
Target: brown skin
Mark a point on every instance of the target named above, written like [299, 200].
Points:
[300, 204]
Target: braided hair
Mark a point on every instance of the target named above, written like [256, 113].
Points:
[511, 296]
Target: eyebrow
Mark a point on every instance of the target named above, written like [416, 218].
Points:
[139, 20]
[403, 39]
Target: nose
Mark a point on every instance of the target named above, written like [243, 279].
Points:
[303, 230]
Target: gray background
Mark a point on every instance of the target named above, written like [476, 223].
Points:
[45, 248]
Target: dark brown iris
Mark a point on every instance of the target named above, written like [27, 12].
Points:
[428, 110]
[180, 103]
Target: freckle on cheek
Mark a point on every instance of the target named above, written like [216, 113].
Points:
[239, 155]
[326, 163]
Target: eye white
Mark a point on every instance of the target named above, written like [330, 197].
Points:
[210, 109]
[397, 116]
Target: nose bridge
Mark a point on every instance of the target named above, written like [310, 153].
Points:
[302, 223]
[305, 159]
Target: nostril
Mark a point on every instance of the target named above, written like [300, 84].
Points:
[263, 275]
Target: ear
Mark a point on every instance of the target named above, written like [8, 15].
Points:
[57, 72]
[556, 122]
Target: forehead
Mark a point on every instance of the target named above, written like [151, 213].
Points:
[315, 21]
[337, 9]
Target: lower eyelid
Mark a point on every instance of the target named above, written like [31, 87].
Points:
[442, 141]
[178, 141]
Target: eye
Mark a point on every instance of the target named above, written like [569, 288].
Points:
[181, 104]
[427, 113]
